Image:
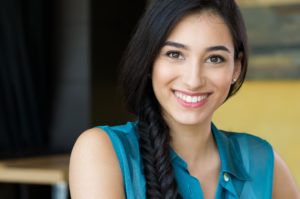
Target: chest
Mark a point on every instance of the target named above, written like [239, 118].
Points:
[208, 180]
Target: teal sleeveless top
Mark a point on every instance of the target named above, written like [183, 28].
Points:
[246, 165]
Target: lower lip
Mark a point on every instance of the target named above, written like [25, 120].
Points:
[191, 105]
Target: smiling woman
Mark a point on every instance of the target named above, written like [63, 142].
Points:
[186, 58]
[195, 69]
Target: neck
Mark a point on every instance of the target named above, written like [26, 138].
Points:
[194, 144]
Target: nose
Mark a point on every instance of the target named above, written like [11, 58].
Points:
[193, 75]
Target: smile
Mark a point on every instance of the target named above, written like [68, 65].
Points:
[189, 98]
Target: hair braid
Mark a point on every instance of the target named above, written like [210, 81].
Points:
[154, 145]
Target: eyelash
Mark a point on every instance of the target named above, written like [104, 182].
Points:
[171, 54]
[220, 59]
[178, 55]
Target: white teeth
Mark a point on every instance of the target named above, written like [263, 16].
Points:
[190, 99]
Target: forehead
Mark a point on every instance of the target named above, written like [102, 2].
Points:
[204, 27]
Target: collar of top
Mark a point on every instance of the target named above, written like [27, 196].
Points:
[230, 155]
[232, 164]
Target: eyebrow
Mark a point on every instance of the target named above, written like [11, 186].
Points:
[217, 48]
[175, 44]
[211, 48]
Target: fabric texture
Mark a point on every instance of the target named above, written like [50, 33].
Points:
[246, 172]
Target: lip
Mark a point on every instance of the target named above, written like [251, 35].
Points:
[186, 104]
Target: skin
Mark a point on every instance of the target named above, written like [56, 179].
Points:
[94, 168]
[284, 186]
[197, 59]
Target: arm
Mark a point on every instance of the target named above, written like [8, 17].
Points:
[94, 168]
[284, 185]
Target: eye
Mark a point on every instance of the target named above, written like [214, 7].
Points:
[215, 59]
[174, 55]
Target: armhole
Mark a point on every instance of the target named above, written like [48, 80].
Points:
[117, 145]
[121, 144]
[270, 157]
[272, 166]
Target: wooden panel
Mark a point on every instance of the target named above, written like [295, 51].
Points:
[274, 40]
[38, 170]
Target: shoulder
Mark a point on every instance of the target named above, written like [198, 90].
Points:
[244, 137]
[94, 168]
[256, 153]
[259, 154]
[284, 185]
[94, 138]
[124, 140]
[124, 131]
[249, 142]
[92, 142]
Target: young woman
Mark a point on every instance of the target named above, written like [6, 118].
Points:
[185, 60]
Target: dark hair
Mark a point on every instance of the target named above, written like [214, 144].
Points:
[153, 29]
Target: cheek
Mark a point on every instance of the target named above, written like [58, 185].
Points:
[222, 79]
[162, 74]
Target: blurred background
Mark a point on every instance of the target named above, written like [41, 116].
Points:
[268, 103]
[58, 76]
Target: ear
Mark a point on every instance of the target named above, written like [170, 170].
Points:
[237, 67]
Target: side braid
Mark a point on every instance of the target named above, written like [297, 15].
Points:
[154, 146]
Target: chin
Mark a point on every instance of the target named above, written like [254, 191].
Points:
[190, 120]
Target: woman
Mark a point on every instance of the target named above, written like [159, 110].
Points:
[186, 58]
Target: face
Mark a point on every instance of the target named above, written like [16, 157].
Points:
[194, 70]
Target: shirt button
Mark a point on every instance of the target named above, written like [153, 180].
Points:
[226, 177]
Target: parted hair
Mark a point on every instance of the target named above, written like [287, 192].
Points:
[152, 31]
